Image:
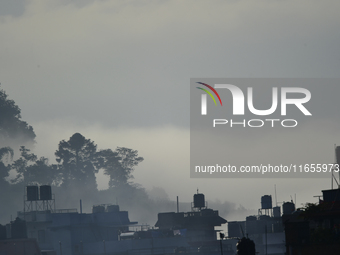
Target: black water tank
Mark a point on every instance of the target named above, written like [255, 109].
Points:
[199, 201]
[45, 192]
[277, 211]
[32, 193]
[266, 202]
[288, 207]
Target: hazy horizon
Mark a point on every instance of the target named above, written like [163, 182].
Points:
[118, 72]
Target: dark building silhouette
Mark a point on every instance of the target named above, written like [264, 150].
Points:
[18, 229]
[265, 230]
[315, 230]
[108, 230]
[3, 232]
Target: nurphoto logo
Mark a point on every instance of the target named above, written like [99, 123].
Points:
[238, 104]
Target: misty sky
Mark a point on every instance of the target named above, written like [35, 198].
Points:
[118, 72]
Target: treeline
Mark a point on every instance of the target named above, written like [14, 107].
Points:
[78, 159]
[78, 162]
[73, 177]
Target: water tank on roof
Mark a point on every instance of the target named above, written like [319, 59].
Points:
[45, 192]
[32, 193]
[277, 211]
[98, 208]
[199, 201]
[266, 202]
[288, 207]
[112, 208]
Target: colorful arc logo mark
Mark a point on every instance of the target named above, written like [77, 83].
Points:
[204, 97]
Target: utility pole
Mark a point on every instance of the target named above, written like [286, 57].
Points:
[221, 238]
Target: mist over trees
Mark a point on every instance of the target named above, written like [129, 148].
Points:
[73, 176]
[77, 162]
[5, 153]
[119, 165]
[13, 130]
[31, 170]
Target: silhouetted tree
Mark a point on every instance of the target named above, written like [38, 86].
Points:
[77, 161]
[119, 164]
[20, 165]
[11, 195]
[43, 173]
[4, 169]
[109, 161]
[31, 170]
[6, 151]
[128, 160]
[12, 128]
